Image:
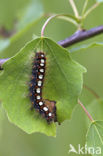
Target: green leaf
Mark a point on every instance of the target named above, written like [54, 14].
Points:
[95, 138]
[1, 119]
[63, 84]
[85, 46]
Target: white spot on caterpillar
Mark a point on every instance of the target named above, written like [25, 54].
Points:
[39, 83]
[40, 76]
[50, 114]
[41, 70]
[45, 109]
[38, 90]
[40, 103]
[38, 97]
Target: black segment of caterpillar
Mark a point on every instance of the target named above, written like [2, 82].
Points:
[46, 107]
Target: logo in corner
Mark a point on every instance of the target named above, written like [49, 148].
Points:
[84, 150]
[72, 149]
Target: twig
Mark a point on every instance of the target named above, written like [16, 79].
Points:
[87, 113]
[92, 91]
[74, 8]
[85, 6]
[81, 35]
[91, 9]
[3, 61]
[45, 24]
[66, 17]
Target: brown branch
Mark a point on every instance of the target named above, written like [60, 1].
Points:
[79, 36]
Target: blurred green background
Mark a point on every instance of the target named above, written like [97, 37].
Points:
[13, 141]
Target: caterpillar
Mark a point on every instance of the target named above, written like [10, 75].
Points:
[45, 107]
